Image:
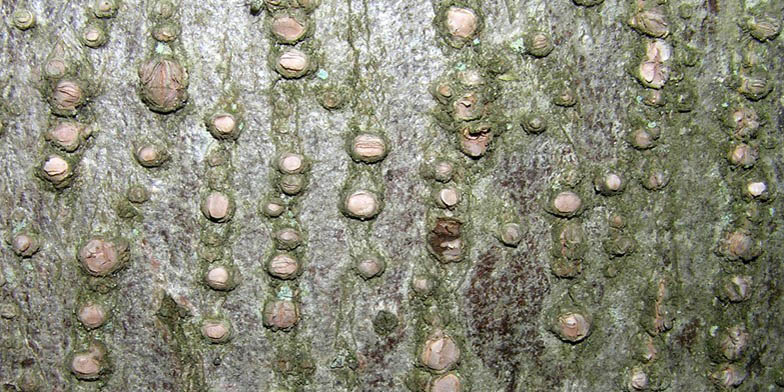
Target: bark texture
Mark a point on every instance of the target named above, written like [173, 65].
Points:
[685, 295]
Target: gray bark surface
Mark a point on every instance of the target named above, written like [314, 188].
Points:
[383, 57]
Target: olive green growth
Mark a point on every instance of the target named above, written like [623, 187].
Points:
[173, 320]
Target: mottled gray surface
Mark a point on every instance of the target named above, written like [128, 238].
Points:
[498, 303]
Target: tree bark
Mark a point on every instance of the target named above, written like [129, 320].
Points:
[549, 195]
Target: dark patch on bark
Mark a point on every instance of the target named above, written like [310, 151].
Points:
[376, 357]
[688, 335]
[441, 240]
[713, 6]
[504, 302]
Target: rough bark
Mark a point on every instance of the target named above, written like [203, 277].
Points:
[380, 63]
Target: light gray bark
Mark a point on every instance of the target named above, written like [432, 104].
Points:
[382, 57]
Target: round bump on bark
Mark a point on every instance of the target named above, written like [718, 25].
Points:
[510, 234]
[224, 126]
[221, 277]
[443, 171]
[94, 35]
[163, 84]
[565, 204]
[539, 44]
[105, 8]
[273, 207]
[638, 380]
[743, 155]
[609, 183]
[736, 288]
[654, 97]
[755, 85]
[651, 22]
[90, 364]
[100, 256]
[361, 204]
[217, 157]
[151, 155]
[55, 68]
[216, 331]
[92, 315]
[385, 322]
[368, 148]
[284, 266]
[616, 221]
[460, 24]
[468, 107]
[423, 285]
[287, 238]
[757, 190]
[292, 63]
[292, 184]
[447, 197]
[288, 28]
[565, 97]
[440, 353]
[653, 73]
[67, 135]
[734, 343]
[572, 327]
[67, 97]
[291, 163]
[739, 245]
[57, 170]
[744, 122]
[475, 142]
[23, 19]
[137, 194]
[764, 27]
[163, 9]
[217, 207]
[442, 92]
[534, 124]
[58, 63]
[165, 32]
[370, 266]
[447, 383]
[280, 314]
[25, 244]
[728, 375]
[331, 99]
[655, 178]
[644, 138]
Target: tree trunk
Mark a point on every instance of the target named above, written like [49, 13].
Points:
[391, 195]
